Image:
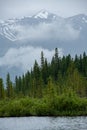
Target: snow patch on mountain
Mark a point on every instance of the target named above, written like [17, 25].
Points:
[84, 19]
[42, 14]
[43, 25]
[7, 32]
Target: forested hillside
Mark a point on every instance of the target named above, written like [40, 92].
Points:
[58, 87]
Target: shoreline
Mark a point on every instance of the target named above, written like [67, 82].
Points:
[44, 116]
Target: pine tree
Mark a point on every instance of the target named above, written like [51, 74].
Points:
[36, 70]
[80, 64]
[51, 94]
[1, 89]
[75, 81]
[9, 86]
[46, 71]
[16, 85]
[43, 67]
[56, 64]
[27, 81]
[23, 84]
[63, 66]
[84, 64]
[42, 60]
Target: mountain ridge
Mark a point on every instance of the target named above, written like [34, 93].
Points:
[9, 30]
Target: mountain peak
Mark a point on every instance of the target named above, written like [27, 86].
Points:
[43, 11]
[79, 18]
[42, 14]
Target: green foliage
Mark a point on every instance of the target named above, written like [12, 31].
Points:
[55, 88]
[66, 104]
[9, 86]
[66, 73]
[1, 89]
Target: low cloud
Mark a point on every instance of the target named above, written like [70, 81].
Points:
[46, 31]
[24, 57]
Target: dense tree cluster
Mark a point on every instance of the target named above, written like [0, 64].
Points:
[61, 75]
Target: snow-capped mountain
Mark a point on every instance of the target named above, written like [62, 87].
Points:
[78, 21]
[44, 14]
[12, 28]
[44, 29]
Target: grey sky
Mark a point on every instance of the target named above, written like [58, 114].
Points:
[19, 8]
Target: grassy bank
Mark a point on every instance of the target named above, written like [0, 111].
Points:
[64, 105]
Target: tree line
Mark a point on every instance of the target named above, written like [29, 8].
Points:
[60, 75]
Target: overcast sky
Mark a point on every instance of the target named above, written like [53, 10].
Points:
[19, 8]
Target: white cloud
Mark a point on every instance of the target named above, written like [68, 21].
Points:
[24, 57]
[46, 31]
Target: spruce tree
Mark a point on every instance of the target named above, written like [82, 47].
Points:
[9, 86]
[84, 64]
[42, 60]
[1, 89]
[56, 64]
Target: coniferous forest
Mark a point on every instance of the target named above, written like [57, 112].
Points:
[56, 88]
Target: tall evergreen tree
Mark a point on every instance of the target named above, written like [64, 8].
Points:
[1, 89]
[9, 86]
[84, 64]
[42, 60]
[56, 64]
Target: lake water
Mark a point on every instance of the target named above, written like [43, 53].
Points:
[44, 123]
